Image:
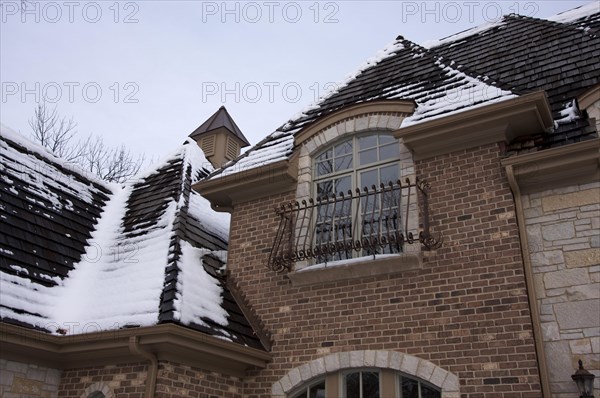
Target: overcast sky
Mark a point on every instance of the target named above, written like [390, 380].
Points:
[147, 73]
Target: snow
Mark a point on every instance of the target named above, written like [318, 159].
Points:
[199, 294]
[462, 35]
[18, 138]
[215, 222]
[452, 98]
[576, 13]
[272, 151]
[119, 279]
[42, 180]
[569, 113]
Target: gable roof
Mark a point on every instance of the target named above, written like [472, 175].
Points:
[491, 63]
[80, 255]
[221, 118]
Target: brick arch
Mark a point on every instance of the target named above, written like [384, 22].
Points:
[101, 387]
[446, 381]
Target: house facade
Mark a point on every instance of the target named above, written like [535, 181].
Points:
[429, 229]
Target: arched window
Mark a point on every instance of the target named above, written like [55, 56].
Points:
[96, 394]
[366, 383]
[359, 162]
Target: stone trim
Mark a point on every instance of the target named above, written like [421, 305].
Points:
[366, 267]
[427, 371]
[397, 108]
[102, 387]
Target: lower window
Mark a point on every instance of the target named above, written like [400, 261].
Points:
[367, 383]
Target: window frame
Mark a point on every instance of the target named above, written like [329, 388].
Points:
[355, 172]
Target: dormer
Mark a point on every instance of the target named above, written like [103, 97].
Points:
[220, 138]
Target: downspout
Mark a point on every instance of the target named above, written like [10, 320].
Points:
[134, 347]
[529, 281]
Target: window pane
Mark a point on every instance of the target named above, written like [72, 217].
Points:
[389, 173]
[324, 189]
[410, 388]
[368, 179]
[317, 391]
[368, 156]
[368, 141]
[370, 384]
[343, 162]
[343, 184]
[344, 148]
[428, 392]
[391, 151]
[328, 154]
[386, 139]
[352, 385]
[325, 167]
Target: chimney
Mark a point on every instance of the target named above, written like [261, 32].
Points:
[220, 138]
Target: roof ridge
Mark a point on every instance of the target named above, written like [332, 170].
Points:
[178, 229]
[569, 26]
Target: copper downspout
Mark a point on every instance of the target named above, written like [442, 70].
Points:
[529, 281]
[135, 348]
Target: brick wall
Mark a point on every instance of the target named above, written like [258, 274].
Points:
[175, 380]
[125, 380]
[129, 381]
[465, 310]
[564, 241]
[22, 380]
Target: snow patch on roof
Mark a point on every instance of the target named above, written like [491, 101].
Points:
[191, 154]
[576, 13]
[462, 35]
[214, 222]
[199, 295]
[35, 148]
[452, 98]
[569, 114]
[271, 152]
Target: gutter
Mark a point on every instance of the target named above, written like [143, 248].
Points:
[166, 342]
[134, 347]
[529, 281]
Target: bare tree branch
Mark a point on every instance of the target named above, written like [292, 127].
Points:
[115, 164]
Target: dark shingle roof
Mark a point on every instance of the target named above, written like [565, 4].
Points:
[54, 216]
[516, 56]
[221, 118]
[48, 210]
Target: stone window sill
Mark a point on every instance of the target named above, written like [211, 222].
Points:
[362, 267]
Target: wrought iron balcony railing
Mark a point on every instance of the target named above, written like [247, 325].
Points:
[353, 224]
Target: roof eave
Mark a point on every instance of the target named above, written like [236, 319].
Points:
[556, 167]
[498, 122]
[167, 342]
[273, 178]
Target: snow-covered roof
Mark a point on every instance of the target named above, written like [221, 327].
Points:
[493, 62]
[82, 256]
[581, 12]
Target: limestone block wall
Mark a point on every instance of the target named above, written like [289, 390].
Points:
[564, 243]
[22, 380]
